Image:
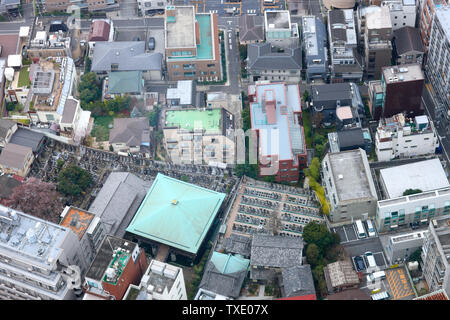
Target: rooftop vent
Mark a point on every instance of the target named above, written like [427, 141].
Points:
[340, 176]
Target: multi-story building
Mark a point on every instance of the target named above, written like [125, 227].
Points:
[438, 61]
[267, 63]
[7, 129]
[345, 61]
[339, 4]
[16, 159]
[377, 42]
[280, 31]
[49, 44]
[436, 254]
[427, 10]
[403, 12]
[277, 123]
[88, 228]
[399, 137]
[118, 264]
[89, 5]
[161, 281]
[192, 45]
[408, 47]
[200, 136]
[349, 187]
[400, 247]
[314, 39]
[36, 258]
[398, 91]
[415, 209]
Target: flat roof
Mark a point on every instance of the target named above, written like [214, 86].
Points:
[24, 236]
[406, 72]
[443, 15]
[78, 220]
[424, 175]
[208, 120]
[379, 19]
[205, 47]
[183, 91]
[180, 28]
[277, 19]
[176, 213]
[284, 137]
[350, 175]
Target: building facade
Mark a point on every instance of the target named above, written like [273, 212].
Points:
[192, 45]
[427, 10]
[401, 247]
[403, 12]
[435, 255]
[89, 5]
[438, 61]
[398, 137]
[349, 187]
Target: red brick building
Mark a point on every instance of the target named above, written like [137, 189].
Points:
[118, 264]
[276, 119]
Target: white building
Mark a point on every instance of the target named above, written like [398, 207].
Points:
[279, 29]
[423, 175]
[161, 281]
[349, 186]
[400, 137]
[436, 255]
[402, 246]
[403, 12]
[152, 7]
[413, 209]
[35, 258]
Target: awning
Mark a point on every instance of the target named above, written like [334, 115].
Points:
[394, 226]
[424, 220]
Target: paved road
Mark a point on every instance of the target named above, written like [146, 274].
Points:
[127, 8]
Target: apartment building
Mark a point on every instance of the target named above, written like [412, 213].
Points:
[200, 136]
[161, 281]
[399, 137]
[280, 31]
[118, 264]
[349, 187]
[314, 43]
[438, 61]
[377, 42]
[192, 45]
[36, 258]
[277, 123]
[436, 255]
[346, 64]
[427, 11]
[398, 91]
[49, 44]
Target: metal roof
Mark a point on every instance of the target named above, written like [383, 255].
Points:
[125, 82]
[171, 214]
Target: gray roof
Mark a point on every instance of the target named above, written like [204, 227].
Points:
[128, 55]
[251, 28]
[7, 186]
[27, 138]
[297, 281]
[276, 251]
[5, 126]
[261, 57]
[118, 201]
[408, 39]
[238, 244]
[131, 131]
[328, 94]
[70, 107]
[104, 256]
[351, 138]
[14, 155]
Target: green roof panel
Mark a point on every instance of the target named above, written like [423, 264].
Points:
[228, 263]
[125, 82]
[176, 213]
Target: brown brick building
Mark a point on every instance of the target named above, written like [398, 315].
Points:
[192, 45]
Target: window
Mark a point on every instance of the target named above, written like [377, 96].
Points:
[114, 66]
[211, 65]
[50, 117]
[175, 66]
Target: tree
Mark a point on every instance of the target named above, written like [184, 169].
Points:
[153, 117]
[318, 234]
[306, 95]
[316, 119]
[246, 118]
[313, 255]
[416, 255]
[73, 180]
[249, 170]
[411, 191]
[37, 198]
[90, 89]
[314, 169]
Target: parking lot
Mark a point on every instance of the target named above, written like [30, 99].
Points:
[348, 232]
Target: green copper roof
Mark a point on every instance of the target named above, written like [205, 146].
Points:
[176, 213]
[125, 82]
[208, 120]
[227, 263]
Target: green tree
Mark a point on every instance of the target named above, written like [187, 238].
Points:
[73, 180]
[313, 255]
[306, 95]
[416, 255]
[314, 169]
[411, 191]
[249, 170]
[246, 118]
[153, 117]
[90, 89]
[318, 234]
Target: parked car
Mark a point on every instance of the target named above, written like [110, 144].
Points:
[151, 43]
[359, 263]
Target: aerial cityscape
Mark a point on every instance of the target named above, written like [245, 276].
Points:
[231, 150]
